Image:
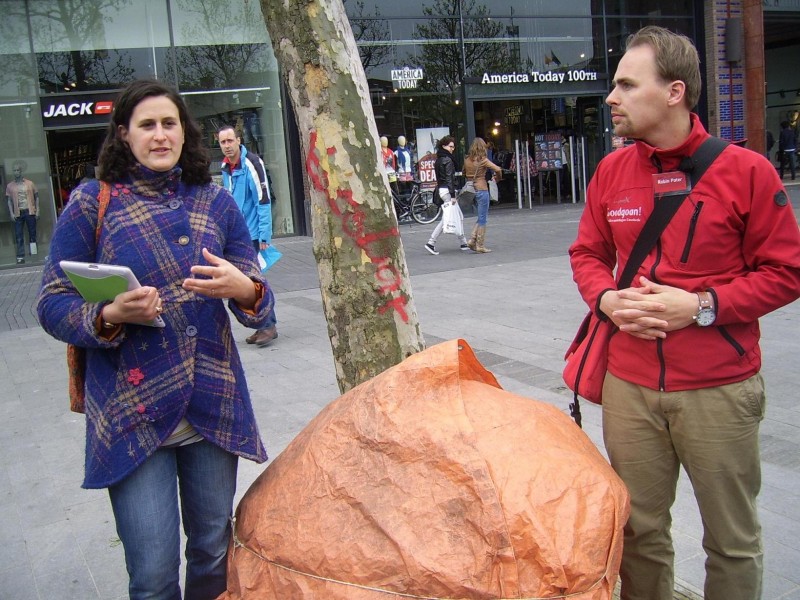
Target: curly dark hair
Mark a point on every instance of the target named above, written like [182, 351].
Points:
[445, 141]
[116, 159]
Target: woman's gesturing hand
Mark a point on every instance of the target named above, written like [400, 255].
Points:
[220, 279]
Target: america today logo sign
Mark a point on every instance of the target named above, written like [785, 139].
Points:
[65, 111]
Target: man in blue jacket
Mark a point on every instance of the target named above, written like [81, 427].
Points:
[245, 177]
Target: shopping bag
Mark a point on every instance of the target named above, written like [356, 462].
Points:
[587, 358]
[452, 219]
[268, 257]
[494, 192]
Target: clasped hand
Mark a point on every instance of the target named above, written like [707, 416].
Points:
[220, 279]
[650, 311]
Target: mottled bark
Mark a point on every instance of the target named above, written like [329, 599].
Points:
[366, 291]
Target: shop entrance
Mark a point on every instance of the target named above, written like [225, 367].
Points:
[73, 156]
[551, 144]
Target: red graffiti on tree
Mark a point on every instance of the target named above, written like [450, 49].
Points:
[353, 217]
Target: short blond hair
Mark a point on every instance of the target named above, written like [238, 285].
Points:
[676, 58]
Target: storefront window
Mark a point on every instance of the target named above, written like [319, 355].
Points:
[21, 130]
[225, 67]
[61, 60]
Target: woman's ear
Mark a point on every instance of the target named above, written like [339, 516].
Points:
[123, 132]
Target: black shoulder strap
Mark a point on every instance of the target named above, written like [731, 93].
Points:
[255, 160]
[667, 206]
[665, 209]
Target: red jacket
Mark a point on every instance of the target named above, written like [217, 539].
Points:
[735, 234]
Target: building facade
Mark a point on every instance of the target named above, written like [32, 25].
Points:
[64, 62]
[529, 76]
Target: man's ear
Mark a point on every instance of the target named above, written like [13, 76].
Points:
[677, 92]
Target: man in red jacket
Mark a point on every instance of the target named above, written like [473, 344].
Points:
[683, 384]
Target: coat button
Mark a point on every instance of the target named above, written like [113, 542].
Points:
[191, 331]
[175, 204]
[183, 240]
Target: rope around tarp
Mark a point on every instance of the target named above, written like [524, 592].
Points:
[237, 543]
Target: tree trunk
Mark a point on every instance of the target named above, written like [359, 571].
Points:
[366, 292]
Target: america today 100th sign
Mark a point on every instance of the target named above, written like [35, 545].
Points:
[560, 77]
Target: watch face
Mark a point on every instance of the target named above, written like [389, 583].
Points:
[706, 317]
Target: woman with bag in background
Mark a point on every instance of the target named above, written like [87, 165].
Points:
[475, 166]
[452, 217]
[168, 411]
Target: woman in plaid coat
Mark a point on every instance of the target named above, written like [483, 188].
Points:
[167, 409]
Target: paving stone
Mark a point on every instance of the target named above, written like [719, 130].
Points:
[518, 308]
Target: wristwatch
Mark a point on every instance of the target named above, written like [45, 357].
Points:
[706, 314]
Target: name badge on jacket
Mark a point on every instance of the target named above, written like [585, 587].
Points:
[672, 183]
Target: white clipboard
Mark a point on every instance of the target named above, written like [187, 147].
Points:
[98, 283]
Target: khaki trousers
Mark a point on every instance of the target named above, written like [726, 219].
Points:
[713, 433]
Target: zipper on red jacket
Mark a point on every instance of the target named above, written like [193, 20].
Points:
[662, 367]
[692, 226]
[662, 373]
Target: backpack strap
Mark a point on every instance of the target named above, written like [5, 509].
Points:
[258, 166]
[102, 205]
[666, 207]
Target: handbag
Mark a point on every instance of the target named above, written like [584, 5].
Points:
[467, 194]
[437, 197]
[587, 355]
[76, 355]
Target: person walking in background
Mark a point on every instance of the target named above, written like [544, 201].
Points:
[244, 176]
[445, 168]
[476, 165]
[683, 385]
[23, 205]
[787, 146]
[168, 410]
[770, 142]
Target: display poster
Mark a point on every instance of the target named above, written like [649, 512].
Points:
[548, 151]
[426, 150]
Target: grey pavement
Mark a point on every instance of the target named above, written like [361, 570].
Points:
[517, 307]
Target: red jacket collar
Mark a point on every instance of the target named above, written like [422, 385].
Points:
[670, 158]
[233, 166]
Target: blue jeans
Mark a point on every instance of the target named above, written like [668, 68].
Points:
[482, 197]
[24, 218]
[272, 320]
[146, 506]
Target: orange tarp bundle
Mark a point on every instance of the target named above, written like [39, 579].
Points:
[430, 481]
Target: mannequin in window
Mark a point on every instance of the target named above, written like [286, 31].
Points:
[404, 166]
[23, 204]
[389, 163]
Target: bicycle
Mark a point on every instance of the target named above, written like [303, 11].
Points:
[417, 205]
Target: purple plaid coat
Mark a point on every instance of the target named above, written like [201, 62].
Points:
[140, 384]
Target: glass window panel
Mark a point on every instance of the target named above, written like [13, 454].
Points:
[21, 128]
[82, 70]
[620, 29]
[71, 25]
[226, 69]
[211, 22]
[14, 37]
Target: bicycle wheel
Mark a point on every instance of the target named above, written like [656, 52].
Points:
[423, 210]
